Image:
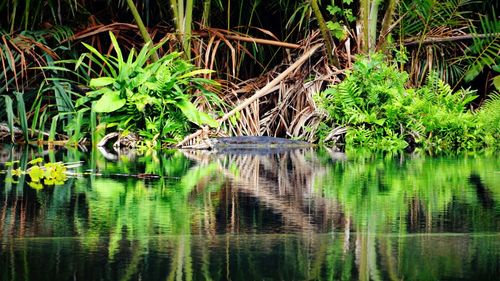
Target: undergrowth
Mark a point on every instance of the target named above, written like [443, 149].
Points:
[381, 113]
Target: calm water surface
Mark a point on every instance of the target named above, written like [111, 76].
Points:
[286, 215]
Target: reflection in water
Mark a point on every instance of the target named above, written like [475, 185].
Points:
[254, 215]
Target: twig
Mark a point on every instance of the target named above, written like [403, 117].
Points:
[256, 40]
[431, 40]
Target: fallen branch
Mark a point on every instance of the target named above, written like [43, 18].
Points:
[97, 29]
[256, 40]
[260, 93]
[431, 40]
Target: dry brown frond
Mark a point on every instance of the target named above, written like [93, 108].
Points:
[19, 54]
[283, 106]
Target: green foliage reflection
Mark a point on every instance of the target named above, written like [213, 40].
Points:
[235, 217]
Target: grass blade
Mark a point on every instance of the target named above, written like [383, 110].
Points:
[93, 126]
[41, 125]
[23, 118]
[53, 128]
[10, 116]
[36, 108]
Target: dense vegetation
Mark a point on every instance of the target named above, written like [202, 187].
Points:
[424, 77]
[381, 113]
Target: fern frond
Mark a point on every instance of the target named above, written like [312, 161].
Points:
[488, 120]
[60, 33]
[493, 100]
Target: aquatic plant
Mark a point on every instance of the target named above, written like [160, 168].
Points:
[41, 174]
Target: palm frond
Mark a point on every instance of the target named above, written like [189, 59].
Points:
[485, 50]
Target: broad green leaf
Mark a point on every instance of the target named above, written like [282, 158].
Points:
[109, 102]
[53, 128]
[142, 57]
[206, 119]
[194, 115]
[101, 82]
[35, 185]
[36, 173]
[130, 58]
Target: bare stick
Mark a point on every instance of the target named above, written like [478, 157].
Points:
[260, 93]
[431, 40]
[256, 40]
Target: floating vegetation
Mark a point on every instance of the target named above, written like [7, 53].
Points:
[41, 174]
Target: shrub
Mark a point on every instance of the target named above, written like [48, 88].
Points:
[151, 98]
[380, 113]
[488, 121]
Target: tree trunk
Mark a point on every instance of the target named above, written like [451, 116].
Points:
[332, 58]
[386, 23]
[142, 28]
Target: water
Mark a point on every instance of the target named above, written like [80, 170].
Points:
[294, 215]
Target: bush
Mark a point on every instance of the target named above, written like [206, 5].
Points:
[488, 121]
[151, 98]
[382, 114]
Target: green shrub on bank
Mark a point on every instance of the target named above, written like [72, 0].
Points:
[488, 121]
[153, 98]
[382, 114]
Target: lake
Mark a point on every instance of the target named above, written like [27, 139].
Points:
[307, 214]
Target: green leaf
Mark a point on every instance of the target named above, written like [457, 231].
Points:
[496, 82]
[21, 111]
[10, 115]
[336, 29]
[35, 185]
[96, 93]
[473, 71]
[104, 60]
[194, 115]
[81, 101]
[36, 161]
[206, 119]
[196, 72]
[101, 82]
[333, 9]
[109, 102]
[36, 174]
[118, 51]
[17, 172]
